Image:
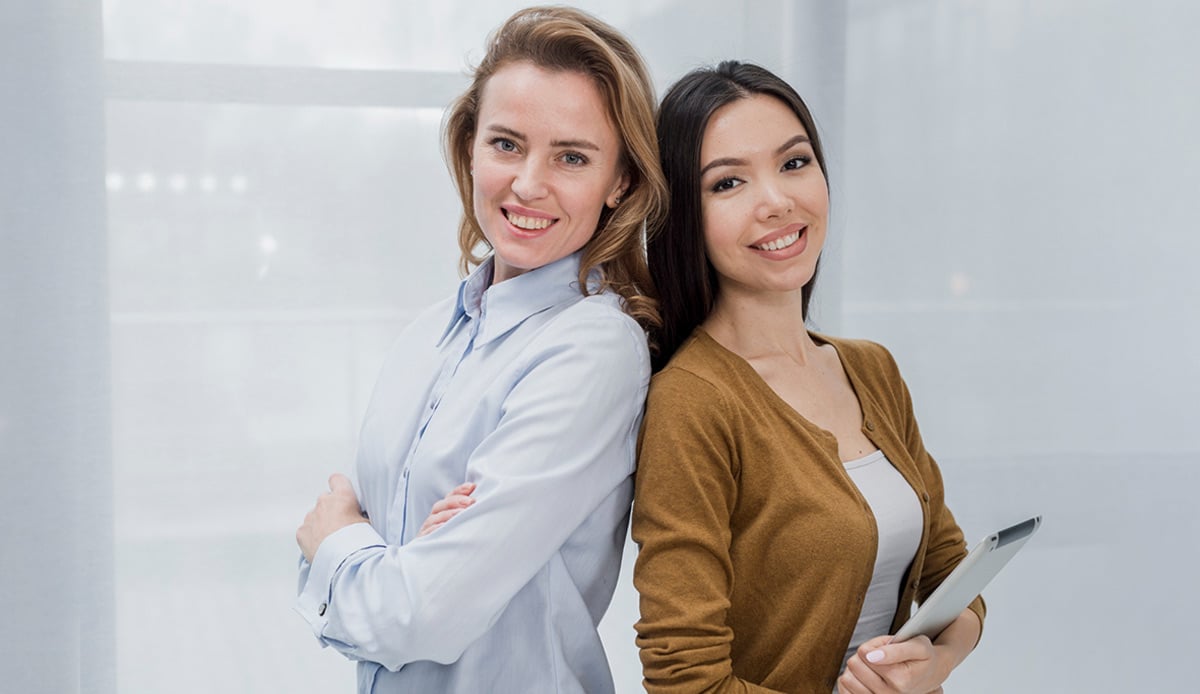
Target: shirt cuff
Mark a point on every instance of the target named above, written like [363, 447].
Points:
[316, 581]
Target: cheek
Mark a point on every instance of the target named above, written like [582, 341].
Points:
[487, 183]
[817, 200]
[584, 203]
[719, 231]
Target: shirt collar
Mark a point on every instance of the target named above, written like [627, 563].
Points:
[502, 307]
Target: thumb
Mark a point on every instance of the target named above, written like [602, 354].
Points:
[340, 484]
[916, 648]
[872, 650]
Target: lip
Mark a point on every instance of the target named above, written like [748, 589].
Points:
[791, 251]
[517, 231]
[527, 212]
[778, 234]
[507, 209]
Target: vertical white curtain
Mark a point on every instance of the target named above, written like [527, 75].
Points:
[56, 569]
[1022, 183]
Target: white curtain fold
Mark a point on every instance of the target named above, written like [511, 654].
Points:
[56, 568]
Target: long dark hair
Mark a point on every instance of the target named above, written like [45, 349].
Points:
[683, 274]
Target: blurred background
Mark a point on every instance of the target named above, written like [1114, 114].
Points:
[216, 215]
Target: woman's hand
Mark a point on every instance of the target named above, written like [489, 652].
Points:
[448, 507]
[334, 510]
[915, 666]
[910, 667]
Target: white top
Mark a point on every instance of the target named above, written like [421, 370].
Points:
[534, 393]
[897, 512]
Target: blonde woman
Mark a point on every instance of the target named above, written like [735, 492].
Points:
[521, 394]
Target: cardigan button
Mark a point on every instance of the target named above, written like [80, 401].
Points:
[870, 425]
[925, 497]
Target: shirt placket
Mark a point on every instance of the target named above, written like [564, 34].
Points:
[460, 348]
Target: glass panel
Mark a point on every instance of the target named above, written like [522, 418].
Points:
[262, 259]
[219, 208]
[443, 36]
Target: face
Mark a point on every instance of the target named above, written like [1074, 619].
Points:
[764, 201]
[546, 160]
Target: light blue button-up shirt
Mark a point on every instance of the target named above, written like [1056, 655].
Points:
[534, 393]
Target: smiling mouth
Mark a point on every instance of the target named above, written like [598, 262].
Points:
[782, 242]
[528, 223]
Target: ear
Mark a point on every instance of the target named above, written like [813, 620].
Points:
[471, 153]
[618, 192]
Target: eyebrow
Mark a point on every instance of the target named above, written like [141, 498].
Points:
[574, 144]
[731, 161]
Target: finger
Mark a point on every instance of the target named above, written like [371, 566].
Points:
[436, 519]
[873, 643]
[464, 489]
[340, 484]
[867, 677]
[428, 528]
[444, 516]
[849, 684]
[430, 525]
[457, 501]
[917, 648]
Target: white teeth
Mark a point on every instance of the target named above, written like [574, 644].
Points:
[530, 223]
[780, 243]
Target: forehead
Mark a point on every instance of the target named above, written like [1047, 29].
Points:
[545, 104]
[746, 127]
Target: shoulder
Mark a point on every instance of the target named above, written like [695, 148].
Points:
[698, 378]
[874, 370]
[594, 330]
[870, 360]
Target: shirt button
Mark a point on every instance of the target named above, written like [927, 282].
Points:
[321, 609]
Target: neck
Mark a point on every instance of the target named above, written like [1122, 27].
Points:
[761, 325]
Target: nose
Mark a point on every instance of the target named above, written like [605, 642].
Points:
[530, 181]
[775, 201]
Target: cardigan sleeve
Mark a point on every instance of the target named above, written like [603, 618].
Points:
[946, 547]
[685, 494]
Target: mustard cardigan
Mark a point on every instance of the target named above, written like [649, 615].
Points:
[756, 549]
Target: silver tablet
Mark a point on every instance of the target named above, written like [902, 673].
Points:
[967, 580]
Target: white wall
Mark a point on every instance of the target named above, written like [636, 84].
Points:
[1012, 188]
[1022, 201]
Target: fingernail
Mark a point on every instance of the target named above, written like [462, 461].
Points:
[875, 656]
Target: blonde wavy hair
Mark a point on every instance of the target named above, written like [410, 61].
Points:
[562, 38]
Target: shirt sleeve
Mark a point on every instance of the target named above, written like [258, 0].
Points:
[685, 495]
[564, 443]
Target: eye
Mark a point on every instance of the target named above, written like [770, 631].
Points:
[574, 159]
[503, 144]
[726, 184]
[796, 163]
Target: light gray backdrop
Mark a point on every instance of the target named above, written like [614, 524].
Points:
[215, 215]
